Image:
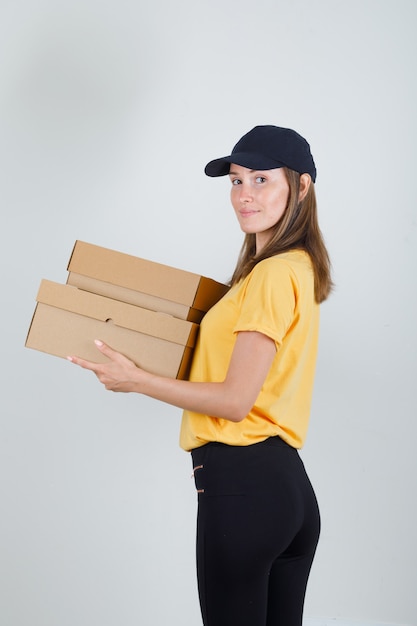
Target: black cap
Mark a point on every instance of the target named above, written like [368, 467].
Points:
[266, 148]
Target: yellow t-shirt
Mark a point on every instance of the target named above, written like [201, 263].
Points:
[276, 299]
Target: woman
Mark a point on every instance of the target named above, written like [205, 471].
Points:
[247, 402]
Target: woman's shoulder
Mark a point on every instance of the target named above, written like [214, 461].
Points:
[291, 261]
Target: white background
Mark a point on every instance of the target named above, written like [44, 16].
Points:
[108, 113]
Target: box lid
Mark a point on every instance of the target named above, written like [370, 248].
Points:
[145, 276]
[119, 313]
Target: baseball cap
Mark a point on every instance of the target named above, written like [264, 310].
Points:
[266, 148]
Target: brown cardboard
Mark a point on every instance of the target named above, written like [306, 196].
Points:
[141, 282]
[67, 320]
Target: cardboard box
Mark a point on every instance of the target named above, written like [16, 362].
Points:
[67, 320]
[147, 284]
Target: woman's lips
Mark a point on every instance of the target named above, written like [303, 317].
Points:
[248, 213]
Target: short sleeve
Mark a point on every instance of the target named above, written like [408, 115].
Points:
[269, 300]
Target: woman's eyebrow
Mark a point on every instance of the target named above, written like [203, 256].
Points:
[231, 173]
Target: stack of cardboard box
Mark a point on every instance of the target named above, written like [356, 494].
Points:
[148, 311]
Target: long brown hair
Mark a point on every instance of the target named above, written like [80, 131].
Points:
[298, 229]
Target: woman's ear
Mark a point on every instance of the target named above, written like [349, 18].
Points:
[305, 182]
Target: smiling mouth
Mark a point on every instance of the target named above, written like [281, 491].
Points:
[248, 213]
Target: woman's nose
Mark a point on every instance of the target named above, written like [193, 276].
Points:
[245, 192]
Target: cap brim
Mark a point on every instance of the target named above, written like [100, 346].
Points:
[221, 167]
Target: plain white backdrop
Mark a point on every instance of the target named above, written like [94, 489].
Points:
[108, 113]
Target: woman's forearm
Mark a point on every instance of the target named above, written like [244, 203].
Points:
[231, 399]
[214, 399]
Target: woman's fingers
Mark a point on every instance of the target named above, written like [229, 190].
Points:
[88, 365]
[116, 374]
[91, 365]
[105, 349]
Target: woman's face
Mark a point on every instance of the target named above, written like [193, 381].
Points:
[259, 198]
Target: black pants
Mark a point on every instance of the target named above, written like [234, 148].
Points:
[257, 530]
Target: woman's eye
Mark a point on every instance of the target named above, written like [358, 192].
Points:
[260, 179]
[236, 181]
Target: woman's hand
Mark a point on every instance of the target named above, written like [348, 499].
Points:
[118, 374]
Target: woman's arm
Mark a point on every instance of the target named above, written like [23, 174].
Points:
[231, 399]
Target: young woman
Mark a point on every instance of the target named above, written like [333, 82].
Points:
[247, 402]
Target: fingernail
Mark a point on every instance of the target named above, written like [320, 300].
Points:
[70, 358]
[98, 342]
